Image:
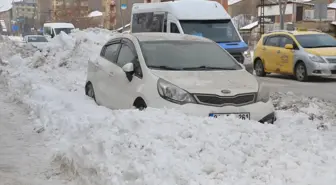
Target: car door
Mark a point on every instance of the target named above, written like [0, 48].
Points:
[106, 81]
[271, 50]
[286, 55]
[127, 90]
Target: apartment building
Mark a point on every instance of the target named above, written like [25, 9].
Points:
[69, 10]
[26, 9]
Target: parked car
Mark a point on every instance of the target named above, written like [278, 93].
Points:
[35, 40]
[189, 73]
[299, 53]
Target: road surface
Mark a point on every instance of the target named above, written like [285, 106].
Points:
[324, 88]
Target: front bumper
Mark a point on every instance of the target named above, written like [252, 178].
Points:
[322, 69]
[260, 111]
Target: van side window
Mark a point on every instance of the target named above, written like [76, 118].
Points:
[148, 22]
[47, 31]
[174, 28]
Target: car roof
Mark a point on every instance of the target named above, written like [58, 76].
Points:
[157, 36]
[296, 32]
[59, 25]
[151, 36]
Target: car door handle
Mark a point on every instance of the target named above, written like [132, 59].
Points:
[278, 51]
[110, 74]
[263, 48]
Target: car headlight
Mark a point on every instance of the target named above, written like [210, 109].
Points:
[263, 93]
[315, 58]
[246, 54]
[173, 93]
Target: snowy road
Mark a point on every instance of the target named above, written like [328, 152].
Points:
[22, 150]
[321, 88]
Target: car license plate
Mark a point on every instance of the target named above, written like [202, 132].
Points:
[243, 116]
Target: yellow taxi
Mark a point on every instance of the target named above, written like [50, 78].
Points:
[299, 53]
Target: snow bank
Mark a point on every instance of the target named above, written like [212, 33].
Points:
[90, 144]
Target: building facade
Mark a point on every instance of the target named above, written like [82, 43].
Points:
[69, 10]
[25, 9]
[5, 17]
[44, 11]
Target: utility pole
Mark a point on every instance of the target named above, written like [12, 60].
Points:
[282, 10]
[262, 17]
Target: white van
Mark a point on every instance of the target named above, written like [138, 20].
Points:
[198, 17]
[53, 29]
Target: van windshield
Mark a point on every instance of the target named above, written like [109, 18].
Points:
[220, 31]
[65, 30]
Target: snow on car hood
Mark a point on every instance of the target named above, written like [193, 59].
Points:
[211, 82]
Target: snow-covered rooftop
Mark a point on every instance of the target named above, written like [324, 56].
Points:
[95, 14]
[231, 2]
[250, 26]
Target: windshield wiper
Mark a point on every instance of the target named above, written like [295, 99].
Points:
[208, 67]
[164, 67]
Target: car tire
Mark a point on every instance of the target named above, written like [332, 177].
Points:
[259, 68]
[301, 72]
[89, 91]
[140, 104]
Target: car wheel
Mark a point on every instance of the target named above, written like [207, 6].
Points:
[89, 91]
[301, 72]
[140, 104]
[259, 68]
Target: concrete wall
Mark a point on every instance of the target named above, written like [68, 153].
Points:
[248, 7]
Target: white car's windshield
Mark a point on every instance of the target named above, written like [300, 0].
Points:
[316, 40]
[187, 55]
[65, 30]
[37, 39]
[220, 31]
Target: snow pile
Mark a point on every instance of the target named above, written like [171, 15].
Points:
[91, 144]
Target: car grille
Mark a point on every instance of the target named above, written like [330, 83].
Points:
[331, 60]
[238, 56]
[215, 100]
[333, 71]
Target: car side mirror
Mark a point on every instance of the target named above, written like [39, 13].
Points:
[129, 70]
[289, 46]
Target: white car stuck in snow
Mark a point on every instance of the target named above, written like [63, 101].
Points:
[37, 41]
[183, 72]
